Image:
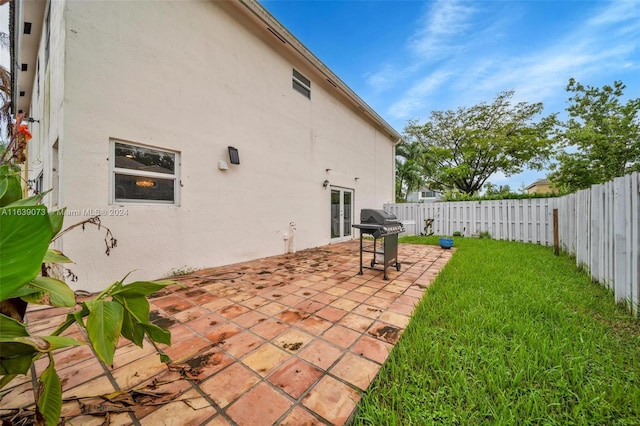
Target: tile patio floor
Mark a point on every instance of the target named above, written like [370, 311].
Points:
[290, 340]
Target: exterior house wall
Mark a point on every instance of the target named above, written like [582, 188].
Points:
[196, 77]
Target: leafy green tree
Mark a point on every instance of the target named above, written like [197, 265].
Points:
[604, 134]
[463, 148]
[491, 189]
[410, 169]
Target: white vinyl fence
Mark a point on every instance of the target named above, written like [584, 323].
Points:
[600, 226]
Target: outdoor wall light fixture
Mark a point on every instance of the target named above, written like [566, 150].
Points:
[234, 156]
[325, 183]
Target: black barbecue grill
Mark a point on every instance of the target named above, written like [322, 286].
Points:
[381, 225]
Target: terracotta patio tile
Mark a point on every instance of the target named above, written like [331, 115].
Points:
[229, 384]
[356, 370]
[130, 353]
[292, 316]
[191, 314]
[168, 385]
[333, 400]
[71, 356]
[271, 308]
[344, 304]
[75, 374]
[356, 297]
[218, 420]
[306, 292]
[231, 311]
[356, 322]
[199, 296]
[301, 417]
[324, 298]
[295, 377]
[309, 306]
[394, 318]
[395, 289]
[218, 303]
[255, 302]
[414, 292]
[336, 291]
[368, 311]
[273, 294]
[314, 325]
[365, 290]
[204, 364]
[18, 397]
[249, 319]
[265, 359]
[138, 371]
[222, 331]
[241, 344]
[371, 348]
[291, 300]
[321, 353]
[292, 340]
[379, 302]
[173, 304]
[262, 405]
[341, 336]
[331, 314]
[385, 332]
[203, 324]
[269, 328]
[181, 412]
[401, 308]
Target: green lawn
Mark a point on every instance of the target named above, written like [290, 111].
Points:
[510, 334]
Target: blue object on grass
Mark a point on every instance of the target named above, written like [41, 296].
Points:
[446, 243]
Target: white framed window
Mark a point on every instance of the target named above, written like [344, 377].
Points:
[142, 174]
[301, 84]
[428, 194]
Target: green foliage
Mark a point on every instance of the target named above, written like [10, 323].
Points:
[410, 169]
[26, 231]
[463, 148]
[601, 139]
[457, 196]
[510, 334]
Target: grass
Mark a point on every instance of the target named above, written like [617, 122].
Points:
[509, 334]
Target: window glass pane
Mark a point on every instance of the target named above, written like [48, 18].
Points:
[335, 214]
[145, 159]
[347, 213]
[143, 188]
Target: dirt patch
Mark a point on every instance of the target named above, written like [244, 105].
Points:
[291, 316]
[195, 292]
[159, 320]
[292, 346]
[387, 333]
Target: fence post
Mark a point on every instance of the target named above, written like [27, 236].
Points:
[556, 240]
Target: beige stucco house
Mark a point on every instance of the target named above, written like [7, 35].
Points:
[140, 110]
[541, 186]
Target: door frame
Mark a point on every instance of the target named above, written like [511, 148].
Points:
[342, 237]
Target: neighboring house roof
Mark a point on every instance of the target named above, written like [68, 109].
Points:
[34, 11]
[538, 183]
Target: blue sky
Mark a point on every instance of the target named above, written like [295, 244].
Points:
[408, 58]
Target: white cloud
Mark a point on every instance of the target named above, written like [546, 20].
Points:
[443, 26]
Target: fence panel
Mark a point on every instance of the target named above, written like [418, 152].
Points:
[600, 226]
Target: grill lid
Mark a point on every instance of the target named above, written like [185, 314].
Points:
[378, 217]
